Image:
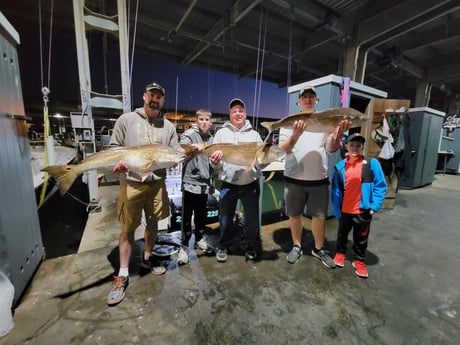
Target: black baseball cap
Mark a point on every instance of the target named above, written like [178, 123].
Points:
[155, 86]
[355, 137]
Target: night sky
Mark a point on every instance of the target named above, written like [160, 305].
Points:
[198, 87]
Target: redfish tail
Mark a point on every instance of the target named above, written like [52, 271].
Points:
[251, 166]
[64, 174]
[335, 133]
[268, 125]
[190, 151]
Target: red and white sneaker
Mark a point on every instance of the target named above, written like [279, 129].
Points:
[360, 269]
[339, 259]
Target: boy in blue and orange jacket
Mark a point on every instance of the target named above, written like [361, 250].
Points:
[357, 192]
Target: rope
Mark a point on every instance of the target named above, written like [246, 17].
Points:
[88, 205]
[134, 44]
[209, 84]
[104, 55]
[273, 193]
[261, 73]
[257, 68]
[235, 61]
[289, 69]
[45, 92]
[269, 177]
[41, 43]
[50, 40]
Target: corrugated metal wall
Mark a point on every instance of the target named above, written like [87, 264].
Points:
[11, 100]
[21, 248]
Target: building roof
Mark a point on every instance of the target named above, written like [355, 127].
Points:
[292, 41]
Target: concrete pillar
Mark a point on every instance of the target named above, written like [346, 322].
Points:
[422, 94]
[349, 61]
[354, 63]
[361, 65]
[453, 104]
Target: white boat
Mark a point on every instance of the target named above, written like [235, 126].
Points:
[62, 155]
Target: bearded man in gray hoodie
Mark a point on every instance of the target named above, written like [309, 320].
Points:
[238, 183]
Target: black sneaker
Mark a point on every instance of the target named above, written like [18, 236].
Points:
[252, 254]
[323, 255]
[155, 268]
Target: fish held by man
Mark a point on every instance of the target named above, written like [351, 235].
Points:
[244, 154]
[141, 161]
[320, 122]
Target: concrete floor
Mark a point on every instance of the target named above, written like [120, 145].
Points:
[411, 296]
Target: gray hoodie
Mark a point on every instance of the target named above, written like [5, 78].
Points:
[231, 173]
[197, 171]
[135, 128]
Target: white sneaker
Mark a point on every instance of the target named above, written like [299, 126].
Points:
[182, 257]
[204, 246]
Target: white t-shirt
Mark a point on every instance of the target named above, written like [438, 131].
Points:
[308, 159]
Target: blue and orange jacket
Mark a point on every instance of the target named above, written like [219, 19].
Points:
[373, 186]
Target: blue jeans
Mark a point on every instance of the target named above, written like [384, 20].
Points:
[249, 196]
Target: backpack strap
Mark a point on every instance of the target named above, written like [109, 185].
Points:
[367, 175]
[340, 178]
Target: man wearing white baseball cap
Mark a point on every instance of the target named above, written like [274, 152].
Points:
[306, 178]
[238, 183]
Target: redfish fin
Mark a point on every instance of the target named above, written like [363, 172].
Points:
[147, 165]
[140, 175]
[190, 151]
[251, 166]
[268, 125]
[65, 175]
[335, 133]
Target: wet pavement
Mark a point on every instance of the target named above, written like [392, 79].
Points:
[411, 295]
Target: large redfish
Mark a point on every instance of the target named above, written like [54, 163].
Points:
[320, 122]
[141, 161]
[244, 154]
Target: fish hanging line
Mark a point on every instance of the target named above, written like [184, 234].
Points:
[133, 46]
[289, 66]
[258, 84]
[131, 62]
[45, 91]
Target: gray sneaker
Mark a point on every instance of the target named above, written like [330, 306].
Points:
[117, 293]
[294, 255]
[221, 255]
[154, 266]
[323, 255]
[182, 257]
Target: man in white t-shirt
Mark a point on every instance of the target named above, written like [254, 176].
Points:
[306, 179]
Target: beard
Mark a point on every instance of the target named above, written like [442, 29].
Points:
[154, 106]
